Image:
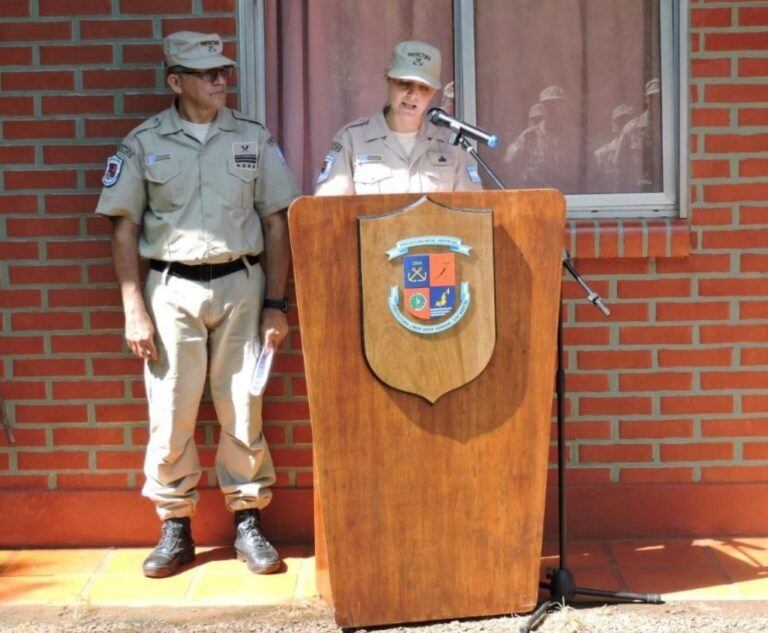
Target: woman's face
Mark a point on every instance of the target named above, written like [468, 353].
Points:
[408, 100]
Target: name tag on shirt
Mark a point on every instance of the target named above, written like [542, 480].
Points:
[156, 158]
[362, 159]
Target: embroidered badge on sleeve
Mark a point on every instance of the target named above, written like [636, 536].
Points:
[325, 170]
[112, 170]
[276, 149]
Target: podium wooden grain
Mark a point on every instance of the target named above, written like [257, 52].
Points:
[429, 511]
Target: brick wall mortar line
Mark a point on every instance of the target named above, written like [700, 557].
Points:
[734, 29]
[696, 475]
[703, 82]
[737, 406]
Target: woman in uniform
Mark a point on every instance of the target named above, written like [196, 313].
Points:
[397, 150]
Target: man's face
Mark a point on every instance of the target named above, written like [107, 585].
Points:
[202, 89]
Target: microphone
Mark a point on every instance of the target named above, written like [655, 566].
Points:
[442, 118]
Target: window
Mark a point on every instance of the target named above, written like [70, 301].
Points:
[584, 94]
[605, 72]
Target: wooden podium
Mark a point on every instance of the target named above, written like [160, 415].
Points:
[428, 510]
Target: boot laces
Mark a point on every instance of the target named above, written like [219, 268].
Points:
[170, 535]
[250, 528]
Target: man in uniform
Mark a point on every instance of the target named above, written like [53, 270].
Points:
[201, 191]
[638, 153]
[605, 155]
[546, 154]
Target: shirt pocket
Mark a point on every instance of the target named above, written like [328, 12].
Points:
[242, 183]
[165, 190]
[439, 172]
[372, 178]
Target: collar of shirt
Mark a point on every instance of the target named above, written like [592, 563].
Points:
[170, 121]
[377, 128]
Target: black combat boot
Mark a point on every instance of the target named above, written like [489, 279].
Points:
[175, 548]
[251, 546]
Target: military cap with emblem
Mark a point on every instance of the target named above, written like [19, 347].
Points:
[416, 61]
[550, 93]
[652, 87]
[198, 51]
[622, 110]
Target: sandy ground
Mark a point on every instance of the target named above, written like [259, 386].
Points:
[698, 617]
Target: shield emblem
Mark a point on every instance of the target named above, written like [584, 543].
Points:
[428, 296]
[429, 282]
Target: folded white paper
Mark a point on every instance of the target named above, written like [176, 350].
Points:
[261, 371]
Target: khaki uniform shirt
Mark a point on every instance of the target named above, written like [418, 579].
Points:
[638, 155]
[365, 157]
[538, 159]
[197, 202]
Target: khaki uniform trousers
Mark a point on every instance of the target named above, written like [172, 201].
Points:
[205, 328]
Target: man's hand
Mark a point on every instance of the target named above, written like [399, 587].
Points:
[140, 334]
[139, 329]
[277, 253]
[274, 327]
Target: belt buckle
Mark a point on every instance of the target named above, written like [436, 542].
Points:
[206, 272]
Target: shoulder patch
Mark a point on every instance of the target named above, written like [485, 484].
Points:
[112, 170]
[336, 147]
[325, 169]
[276, 149]
[472, 173]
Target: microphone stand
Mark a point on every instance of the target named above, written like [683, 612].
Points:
[562, 583]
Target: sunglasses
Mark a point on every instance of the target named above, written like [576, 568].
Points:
[209, 76]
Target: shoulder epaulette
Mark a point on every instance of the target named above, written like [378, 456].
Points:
[356, 123]
[150, 124]
[240, 117]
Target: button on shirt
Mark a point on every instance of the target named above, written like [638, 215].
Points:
[365, 157]
[198, 202]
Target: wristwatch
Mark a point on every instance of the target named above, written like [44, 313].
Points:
[277, 304]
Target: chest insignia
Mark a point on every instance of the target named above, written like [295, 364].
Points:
[245, 155]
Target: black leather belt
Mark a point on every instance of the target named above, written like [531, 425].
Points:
[202, 272]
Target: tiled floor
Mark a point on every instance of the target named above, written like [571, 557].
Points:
[680, 569]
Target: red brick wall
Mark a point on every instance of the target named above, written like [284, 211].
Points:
[667, 406]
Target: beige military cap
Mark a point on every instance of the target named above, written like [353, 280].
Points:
[552, 92]
[416, 61]
[199, 51]
[622, 110]
[652, 87]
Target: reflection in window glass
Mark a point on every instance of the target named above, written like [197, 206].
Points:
[572, 89]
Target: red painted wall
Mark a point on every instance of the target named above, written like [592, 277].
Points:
[668, 412]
